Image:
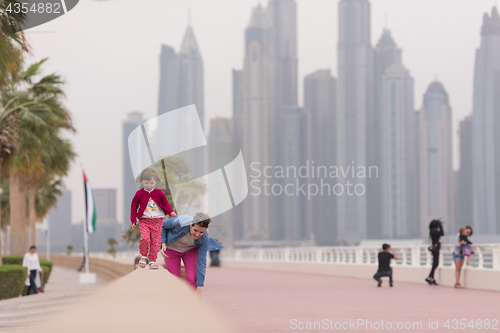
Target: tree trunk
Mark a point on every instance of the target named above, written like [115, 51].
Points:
[17, 201]
[32, 213]
[4, 238]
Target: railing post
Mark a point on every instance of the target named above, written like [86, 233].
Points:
[319, 255]
[286, 252]
[495, 254]
[415, 256]
[359, 256]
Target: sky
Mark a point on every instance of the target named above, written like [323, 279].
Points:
[108, 54]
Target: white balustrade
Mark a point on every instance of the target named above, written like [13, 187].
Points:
[487, 256]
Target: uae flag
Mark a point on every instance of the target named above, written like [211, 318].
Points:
[89, 205]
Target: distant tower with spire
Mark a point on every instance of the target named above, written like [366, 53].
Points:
[486, 128]
[181, 75]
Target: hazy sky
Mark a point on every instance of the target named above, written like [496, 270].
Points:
[108, 53]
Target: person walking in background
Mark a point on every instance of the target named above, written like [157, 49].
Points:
[458, 257]
[384, 264]
[32, 263]
[148, 209]
[435, 233]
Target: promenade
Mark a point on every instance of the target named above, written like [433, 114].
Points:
[247, 301]
[63, 289]
[267, 301]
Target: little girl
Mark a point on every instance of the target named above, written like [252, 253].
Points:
[148, 209]
[466, 248]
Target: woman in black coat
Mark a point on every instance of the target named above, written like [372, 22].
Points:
[435, 233]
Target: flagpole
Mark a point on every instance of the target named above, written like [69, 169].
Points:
[86, 277]
[86, 246]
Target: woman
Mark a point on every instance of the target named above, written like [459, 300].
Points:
[458, 257]
[184, 237]
[32, 263]
[435, 233]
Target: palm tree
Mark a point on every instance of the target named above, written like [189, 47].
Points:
[12, 40]
[40, 118]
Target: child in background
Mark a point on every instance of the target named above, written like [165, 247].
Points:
[148, 209]
[466, 248]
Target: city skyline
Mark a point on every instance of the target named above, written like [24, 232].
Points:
[108, 181]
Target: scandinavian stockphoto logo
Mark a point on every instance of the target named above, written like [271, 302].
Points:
[211, 175]
[37, 12]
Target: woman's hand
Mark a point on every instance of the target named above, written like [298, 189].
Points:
[134, 225]
[163, 248]
[173, 214]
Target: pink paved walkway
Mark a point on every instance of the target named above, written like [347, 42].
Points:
[264, 301]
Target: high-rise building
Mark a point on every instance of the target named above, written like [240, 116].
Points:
[486, 128]
[464, 207]
[320, 102]
[386, 53]
[222, 226]
[105, 205]
[293, 154]
[436, 159]
[181, 84]
[238, 106]
[396, 124]
[130, 186]
[355, 116]
[282, 20]
[59, 225]
[256, 119]
[167, 97]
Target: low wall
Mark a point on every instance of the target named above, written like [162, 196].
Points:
[473, 278]
[142, 301]
[105, 268]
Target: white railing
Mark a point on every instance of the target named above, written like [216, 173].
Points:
[487, 256]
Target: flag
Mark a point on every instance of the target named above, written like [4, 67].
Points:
[89, 205]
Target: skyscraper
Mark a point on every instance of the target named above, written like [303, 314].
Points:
[59, 221]
[464, 202]
[256, 119]
[282, 37]
[222, 226]
[386, 53]
[320, 102]
[436, 159]
[293, 154]
[167, 97]
[396, 121]
[181, 84]
[486, 128]
[355, 114]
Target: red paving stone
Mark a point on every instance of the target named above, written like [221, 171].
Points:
[265, 301]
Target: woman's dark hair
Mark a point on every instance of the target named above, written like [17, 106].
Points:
[201, 219]
[435, 224]
[469, 227]
[32, 247]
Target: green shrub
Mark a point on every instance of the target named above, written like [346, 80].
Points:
[12, 260]
[12, 279]
[18, 260]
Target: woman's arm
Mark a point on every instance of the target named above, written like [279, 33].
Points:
[201, 265]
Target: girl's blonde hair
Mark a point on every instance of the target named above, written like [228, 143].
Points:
[148, 174]
[462, 230]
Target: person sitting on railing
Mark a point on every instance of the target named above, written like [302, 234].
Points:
[187, 238]
[384, 264]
